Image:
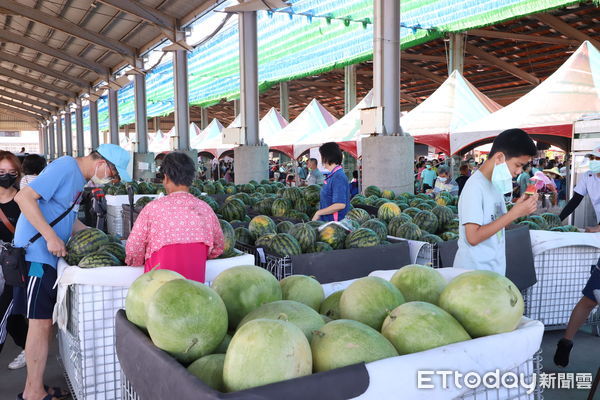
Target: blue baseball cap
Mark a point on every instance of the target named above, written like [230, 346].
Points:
[117, 156]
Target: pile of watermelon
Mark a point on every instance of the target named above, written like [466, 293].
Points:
[248, 321]
[138, 188]
[92, 248]
[545, 222]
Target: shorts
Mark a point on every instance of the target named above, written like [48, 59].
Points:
[37, 299]
[592, 284]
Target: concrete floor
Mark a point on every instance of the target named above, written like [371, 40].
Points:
[585, 357]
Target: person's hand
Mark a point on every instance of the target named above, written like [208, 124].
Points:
[317, 215]
[56, 246]
[593, 229]
[524, 206]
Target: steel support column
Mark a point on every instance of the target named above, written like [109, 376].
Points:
[42, 140]
[68, 134]
[284, 100]
[182, 111]
[52, 139]
[349, 88]
[456, 54]
[59, 136]
[94, 131]
[113, 115]
[249, 76]
[386, 63]
[141, 121]
[79, 128]
[203, 117]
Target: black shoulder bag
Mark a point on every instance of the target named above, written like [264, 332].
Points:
[12, 258]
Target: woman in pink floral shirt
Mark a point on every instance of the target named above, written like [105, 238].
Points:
[178, 231]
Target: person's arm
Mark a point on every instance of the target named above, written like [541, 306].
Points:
[335, 207]
[135, 247]
[339, 199]
[571, 206]
[476, 234]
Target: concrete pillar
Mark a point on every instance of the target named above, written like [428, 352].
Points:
[42, 139]
[284, 100]
[52, 139]
[456, 56]
[156, 123]
[141, 121]
[59, 136]
[387, 162]
[113, 115]
[94, 129]
[249, 76]
[251, 162]
[349, 88]
[79, 128]
[182, 111]
[203, 117]
[68, 134]
[236, 108]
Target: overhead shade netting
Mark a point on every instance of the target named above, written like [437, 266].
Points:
[296, 46]
[549, 110]
[306, 127]
[209, 139]
[454, 105]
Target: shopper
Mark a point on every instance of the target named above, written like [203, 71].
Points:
[482, 209]
[335, 194]
[462, 179]
[315, 177]
[179, 231]
[56, 190]
[524, 179]
[33, 165]
[428, 176]
[443, 183]
[13, 324]
[354, 184]
[589, 185]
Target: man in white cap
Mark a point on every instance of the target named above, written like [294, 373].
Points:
[589, 185]
[54, 194]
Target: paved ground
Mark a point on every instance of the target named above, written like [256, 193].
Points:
[585, 357]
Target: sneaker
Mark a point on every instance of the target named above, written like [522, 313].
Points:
[563, 349]
[18, 362]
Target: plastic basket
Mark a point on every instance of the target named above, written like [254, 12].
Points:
[561, 273]
[87, 347]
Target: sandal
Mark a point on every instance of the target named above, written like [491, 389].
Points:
[57, 392]
[47, 397]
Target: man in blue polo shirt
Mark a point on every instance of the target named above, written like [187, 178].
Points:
[55, 190]
[335, 193]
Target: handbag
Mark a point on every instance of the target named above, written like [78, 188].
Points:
[12, 258]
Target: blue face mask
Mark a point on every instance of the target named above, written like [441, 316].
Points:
[502, 178]
[595, 166]
[428, 166]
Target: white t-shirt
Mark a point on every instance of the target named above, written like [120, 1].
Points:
[590, 185]
[480, 203]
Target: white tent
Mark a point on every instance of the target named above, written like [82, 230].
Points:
[159, 142]
[550, 109]
[269, 126]
[454, 105]
[210, 138]
[306, 127]
[345, 131]
[125, 142]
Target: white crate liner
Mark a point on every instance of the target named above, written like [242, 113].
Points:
[87, 301]
[423, 253]
[114, 208]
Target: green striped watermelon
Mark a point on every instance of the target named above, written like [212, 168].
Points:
[83, 243]
[539, 220]
[116, 249]
[552, 220]
[305, 235]
[212, 203]
[362, 237]
[446, 236]
[443, 214]
[372, 191]
[301, 205]
[412, 211]
[261, 225]
[320, 247]
[312, 197]
[358, 199]
[99, 259]
[264, 241]
[427, 221]
[292, 194]
[297, 215]
[333, 235]
[285, 245]
[378, 227]
[243, 235]
[284, 226]
[431, 238]
[388, 194]
[425, 206]
[388, 211]
[229, 236]
[408, 231]
[233, 209]
[359, 215]
[380, 202]
[315, 224]
[452, 225]
[265, 206]
[280, 207]
[396, 222]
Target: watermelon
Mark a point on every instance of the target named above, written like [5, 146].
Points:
[212, 203]
[333, 235]
[187, 319]
[315, 224]
[368, 300]
[305, 235]
[83, 243]
[398, 221]
[359, 215]
[452, 225]
[388, 211]
[320, 247]
[292, 194]
[372, 191]
[388, 194]
[299, 314]
[312, 197]
[141, 291]
[265, 241]
[244, 289]
[559, 229]
[362, 237]
[419, 283]
[229, 236]
[532, 225]
[431, 238]
[296, 215]
[233, 209]
[142, 202]
[243, 235]
[303, 289]
[419, 326]
[343, 342]
[358, 200]
[265, 206]
[411, 211]
[261, 225]
[408, 231]
[540, 221]
[209, 369]
[116, 249]
[484, 302]
[426, 221]
[114, 239]
[425, 207]
[447, 236]
[284, 226]
[99, 258]
[552, 220]
[285, 245]
[378, 227]
[273, 350]
[330, 307]
[571, 228]
[301, 205]
[444, 215]
[280, 207]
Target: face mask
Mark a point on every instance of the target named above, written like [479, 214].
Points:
[428, 166]
[443, 180]
[595, 166]
[7, 180]
[502, 178]
[100, 181]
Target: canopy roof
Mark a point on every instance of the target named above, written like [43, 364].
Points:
[455, 104]
[159, 142]
[210, 138]
[549, 109]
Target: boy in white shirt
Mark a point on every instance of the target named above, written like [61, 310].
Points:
[482, 210]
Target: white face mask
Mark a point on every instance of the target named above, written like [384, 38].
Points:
[502, 178]
[443, 180]
[100, 181]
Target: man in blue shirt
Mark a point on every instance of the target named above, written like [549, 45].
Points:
[335, 193]
[54, 191]
[428, 176]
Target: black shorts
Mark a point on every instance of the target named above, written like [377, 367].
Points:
[37, 299]
[593, 284]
